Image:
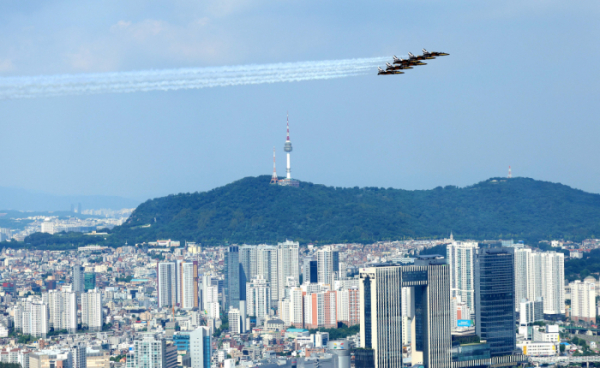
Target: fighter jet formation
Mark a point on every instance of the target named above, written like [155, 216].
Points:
[400, 64]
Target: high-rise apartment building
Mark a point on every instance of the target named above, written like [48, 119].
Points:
[249, 267]
[232, 276]
[78, 279]
[267, 267]
[296, 312]
[189, 285]
[328, 263]
[495, 298]
[166, 273]
[31, 318]
[288, 265]
[258, 301]
[348, 306]
[91, 310]
[460, 256]
[62, 307]
[531, 311]
[79, 355]
[152, 352]
[540, 275]
[200, 347]
[320, 310]
[583, 301]
[381, 313]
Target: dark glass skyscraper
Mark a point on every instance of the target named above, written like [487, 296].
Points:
[232, 277]
[89, 281]
[495, 298]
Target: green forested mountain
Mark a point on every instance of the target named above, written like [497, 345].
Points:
[252, 211]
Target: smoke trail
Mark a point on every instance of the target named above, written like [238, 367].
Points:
[186, 78]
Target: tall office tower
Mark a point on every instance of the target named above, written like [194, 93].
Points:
[309, 271]
[151, 352]
[91, 310]
[166, 273]
[207, 293]
[328, 263]
[288, 265]
[248, 267]
[31, 318]
[235, 321]
[258, 299]
[583, 301]
[62, 307]
[460, 257]
[348, 306]
[495, 299]
[89, 281]
[320, 310]
[189, 285]
[540, 275]
[232, 276]
[267, 267]
[200, 347]
[79, 356]
[243, 316]
[381, 313]
[297, 307]
[78, 280]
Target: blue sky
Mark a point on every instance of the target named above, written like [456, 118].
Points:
[520, 88]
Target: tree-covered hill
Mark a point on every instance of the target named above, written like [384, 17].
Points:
[252, 211]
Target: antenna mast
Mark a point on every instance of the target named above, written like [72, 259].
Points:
[509, 173]
[274, 178]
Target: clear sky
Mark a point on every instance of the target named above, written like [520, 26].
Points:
[521, 87]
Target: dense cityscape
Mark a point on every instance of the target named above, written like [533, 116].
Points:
[438, 303]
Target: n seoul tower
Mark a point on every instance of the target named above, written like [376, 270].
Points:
[288, 181]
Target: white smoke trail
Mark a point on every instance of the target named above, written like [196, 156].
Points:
[186, 78]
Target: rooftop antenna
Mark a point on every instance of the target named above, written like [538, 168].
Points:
[274, 178]
[509, 173]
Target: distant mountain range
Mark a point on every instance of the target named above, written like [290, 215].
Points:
[25, 200]
[252, 211]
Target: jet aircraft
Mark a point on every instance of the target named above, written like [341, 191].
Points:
[420, 57]
[407, 61]
[385, 72]
[397, 67]
[434, 53]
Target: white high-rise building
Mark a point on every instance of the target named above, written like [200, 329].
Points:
[540, 275]
[211, 296]
[235, 321]
[166, 273]
[200, 347]
[266, 257]
[288, 265]
[91, 310]
[152, 352]
[583, 301]
[31, 318]
[521, 275]
[258, 294]
[460, 256]
[79, 355]
[328, 264]
[62, 310]
[189, 285]
[531, 311]
[297, 307]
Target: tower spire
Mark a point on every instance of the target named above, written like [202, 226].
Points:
[288, 127]
[274, 178]
[509, 173]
